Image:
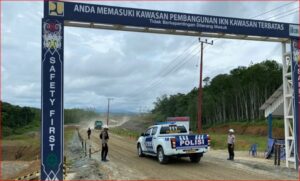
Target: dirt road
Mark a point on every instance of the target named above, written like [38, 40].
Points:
[124, 164]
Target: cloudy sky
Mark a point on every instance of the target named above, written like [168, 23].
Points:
[133, 68]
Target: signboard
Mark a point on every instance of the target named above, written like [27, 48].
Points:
[57, 12]
[52, 100]
[191, 141]
[296, 85]
[80, 12]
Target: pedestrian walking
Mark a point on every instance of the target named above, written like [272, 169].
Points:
[89, 132]
[104, 138]
[230, 142]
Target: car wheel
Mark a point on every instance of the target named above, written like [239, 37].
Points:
[195, 159]
[162, 158]
[140, 151]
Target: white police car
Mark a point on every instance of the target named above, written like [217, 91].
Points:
[166, 140]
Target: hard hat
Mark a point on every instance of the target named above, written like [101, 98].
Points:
[105, 127]
[231, 131]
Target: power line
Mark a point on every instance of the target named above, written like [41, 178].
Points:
[177, 66]
[196, 54]
[170, 65]
[163, 74]
[287, 14]
[157, 82]
[273, 9]
[269, 12]
[190, 46]
[255, 17]
[297, 8]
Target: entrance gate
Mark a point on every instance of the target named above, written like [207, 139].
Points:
[58, 14]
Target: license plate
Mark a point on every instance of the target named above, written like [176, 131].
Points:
[190, 151]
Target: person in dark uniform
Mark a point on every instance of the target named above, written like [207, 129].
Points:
[89, 132]
[104, 138]
[230, 142]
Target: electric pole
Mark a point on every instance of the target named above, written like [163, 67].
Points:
[200, 85]
[108, 101]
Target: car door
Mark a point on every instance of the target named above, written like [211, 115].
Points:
[154, 138]
[148, 140]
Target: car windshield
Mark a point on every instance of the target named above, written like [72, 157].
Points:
[172, 129]
[98, 123]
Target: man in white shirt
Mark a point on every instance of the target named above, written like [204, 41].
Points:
[230, 142]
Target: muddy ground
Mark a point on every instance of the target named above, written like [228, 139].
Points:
[124, 164]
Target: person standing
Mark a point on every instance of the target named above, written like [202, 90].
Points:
[104, 138]
[89, 132]
[230, 142]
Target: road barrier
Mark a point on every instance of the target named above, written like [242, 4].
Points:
[65, 171]
[87, 151]
[36, 174]
[90, 152]
[32, 176]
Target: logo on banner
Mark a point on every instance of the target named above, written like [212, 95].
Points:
[56, 8]
[294, 30]
[52, 36]
[296, 51]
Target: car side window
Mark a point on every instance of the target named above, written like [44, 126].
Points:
[147, 133]
[154, 130]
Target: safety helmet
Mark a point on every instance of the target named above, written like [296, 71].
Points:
[105, 127]
[231, 131]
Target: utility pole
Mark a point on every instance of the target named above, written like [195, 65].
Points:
[108, 101]
[200, 85]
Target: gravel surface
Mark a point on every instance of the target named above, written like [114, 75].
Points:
[124, 164]
[11, 168]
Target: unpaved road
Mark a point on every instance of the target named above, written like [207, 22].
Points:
[124, 164]
[112, 123]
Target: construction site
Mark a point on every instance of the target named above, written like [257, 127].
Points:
[238, 124]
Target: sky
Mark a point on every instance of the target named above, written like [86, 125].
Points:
[132, 68]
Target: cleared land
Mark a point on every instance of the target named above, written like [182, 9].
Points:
[124, 164]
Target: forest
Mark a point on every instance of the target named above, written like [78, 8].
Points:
[232, 97]
[17, 120]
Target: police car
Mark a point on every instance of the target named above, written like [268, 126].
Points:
[170, 139]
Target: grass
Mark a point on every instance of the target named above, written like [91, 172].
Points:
[27, 142]
[125, 132]
[276, 123]
[243, 142]
[22, 139]
[27, 139]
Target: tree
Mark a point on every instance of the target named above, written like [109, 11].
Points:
[236, 96]
[206, 81]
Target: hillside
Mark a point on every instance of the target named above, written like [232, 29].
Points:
[259, 128]
[17, 120]
[236, 96]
